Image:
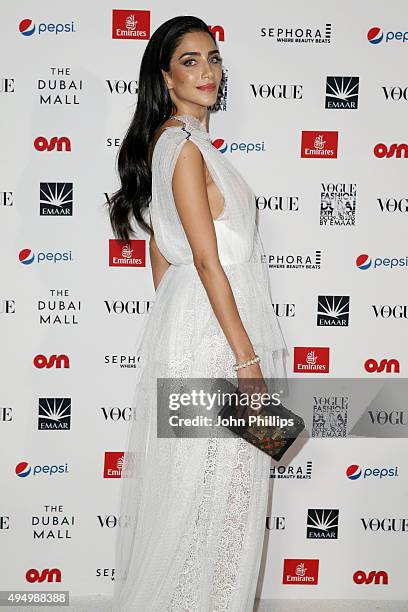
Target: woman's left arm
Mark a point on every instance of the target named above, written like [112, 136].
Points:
[158, 261]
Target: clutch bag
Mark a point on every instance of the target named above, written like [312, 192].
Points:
[274, 430]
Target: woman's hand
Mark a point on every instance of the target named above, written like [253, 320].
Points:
[250, 381]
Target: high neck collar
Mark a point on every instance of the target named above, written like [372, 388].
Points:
[191, 121]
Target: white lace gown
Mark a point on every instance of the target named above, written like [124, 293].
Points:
[192, 510]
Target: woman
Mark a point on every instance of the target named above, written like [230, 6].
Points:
[192, 511]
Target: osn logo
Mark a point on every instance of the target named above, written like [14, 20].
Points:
[375, 36]
[59, 361]
[28, 28]
[354, 472]
[364, 262]
[45, 575]
[27, 257]
[23, 469]
[58, 143]
[360, 577]
[395, 150]
[387, 365]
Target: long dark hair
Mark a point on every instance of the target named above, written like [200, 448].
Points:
[154, 106]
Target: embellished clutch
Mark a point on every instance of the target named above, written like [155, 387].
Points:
[273, 428]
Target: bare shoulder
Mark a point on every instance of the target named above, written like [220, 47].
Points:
[159, 131]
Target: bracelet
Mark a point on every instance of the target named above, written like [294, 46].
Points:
[248, 362]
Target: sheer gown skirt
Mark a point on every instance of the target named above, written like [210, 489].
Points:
[193, 517]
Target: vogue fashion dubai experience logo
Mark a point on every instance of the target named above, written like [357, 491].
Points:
[338, 204]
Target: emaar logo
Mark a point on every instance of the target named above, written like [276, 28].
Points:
[27, 257]
[375, 36]
[27, 28]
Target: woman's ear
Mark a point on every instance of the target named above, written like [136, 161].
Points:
[167, 78]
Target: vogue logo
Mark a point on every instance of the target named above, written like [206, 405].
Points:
[386, 311]
[122, 87]
[395, 150]
[392, 204]
[130, 307]
[392, 417]
[385, 524]
[395, 93]
[319, 144]
[278, 91]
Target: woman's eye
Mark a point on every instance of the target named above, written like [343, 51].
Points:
[217, 60]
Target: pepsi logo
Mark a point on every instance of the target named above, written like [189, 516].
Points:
[375, 36]
[26, 27]
[363, 261]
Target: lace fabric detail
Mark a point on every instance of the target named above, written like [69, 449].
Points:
[224, 563]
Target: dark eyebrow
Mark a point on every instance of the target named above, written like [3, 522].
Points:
[197, 53]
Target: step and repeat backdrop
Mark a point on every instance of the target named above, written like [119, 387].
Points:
[314, 115]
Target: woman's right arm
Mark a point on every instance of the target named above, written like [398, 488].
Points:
[190, 196]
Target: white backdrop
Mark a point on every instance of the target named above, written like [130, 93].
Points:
[345, 72]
